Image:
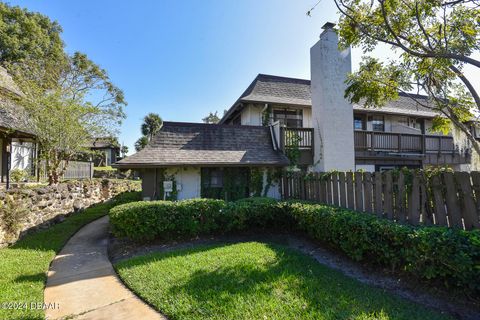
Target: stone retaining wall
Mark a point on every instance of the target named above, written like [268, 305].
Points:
[41, 207]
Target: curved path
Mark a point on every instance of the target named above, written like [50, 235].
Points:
[83, 284]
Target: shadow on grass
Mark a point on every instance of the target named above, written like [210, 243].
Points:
[292, 285]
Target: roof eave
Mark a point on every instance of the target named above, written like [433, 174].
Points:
[195, 164]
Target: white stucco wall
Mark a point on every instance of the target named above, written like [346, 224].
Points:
[188, 182]
[332, 114]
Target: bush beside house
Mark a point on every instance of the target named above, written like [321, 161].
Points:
[450, 256]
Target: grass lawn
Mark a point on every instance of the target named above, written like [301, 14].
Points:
[257, 281]
[23, 266]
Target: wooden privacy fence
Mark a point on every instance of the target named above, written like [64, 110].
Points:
[75, 170]
[444, 199]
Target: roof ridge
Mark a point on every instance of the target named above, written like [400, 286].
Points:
[281, 77]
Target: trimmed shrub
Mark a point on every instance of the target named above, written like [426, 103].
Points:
[166, 219]
[446, 254]
[258, 213]
[451, 256]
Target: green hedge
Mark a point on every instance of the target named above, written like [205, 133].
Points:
[451, 256]
[165, 219]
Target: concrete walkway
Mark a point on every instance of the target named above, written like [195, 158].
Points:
[83, 284]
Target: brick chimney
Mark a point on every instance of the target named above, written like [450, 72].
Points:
[332, 114]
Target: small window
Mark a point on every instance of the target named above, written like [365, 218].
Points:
[290, 118]
[358, 123]
[378, 124]
[216, 178]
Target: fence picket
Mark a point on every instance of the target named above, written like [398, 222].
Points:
[335, 190]
[448, 199]
[439, 202]
[343, 196]
[453, 206]
[328, 179]
[378, 194]
[358, 191]
[425, 204]
[414, 202]
[388, 195]
[323, 188]
[350, 194]
[476, 188]
[400, 198]
[368, 191]
[470, 215]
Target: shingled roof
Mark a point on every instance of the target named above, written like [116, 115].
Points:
[104, 143]
[182, 144]
[296, 92]
[12, 116]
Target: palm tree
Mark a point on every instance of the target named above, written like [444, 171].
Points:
[124, 151]
[141, 143]
[152, 123]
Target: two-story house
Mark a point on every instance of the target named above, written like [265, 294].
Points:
[275, 115]
[397, 135]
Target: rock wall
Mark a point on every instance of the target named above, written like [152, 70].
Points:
[41, 207]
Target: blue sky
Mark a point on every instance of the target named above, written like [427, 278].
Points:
[183, 59]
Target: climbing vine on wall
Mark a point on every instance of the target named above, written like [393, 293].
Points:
[292, 150]
[234, 183]
[273, 177]
[164, 176]
[256, 182]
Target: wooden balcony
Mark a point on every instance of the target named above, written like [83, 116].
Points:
[402, 143]
[301, 138]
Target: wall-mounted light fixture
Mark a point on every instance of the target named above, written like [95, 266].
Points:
[8, 148]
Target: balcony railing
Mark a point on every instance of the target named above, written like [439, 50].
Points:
[402, 142]
[296, 137]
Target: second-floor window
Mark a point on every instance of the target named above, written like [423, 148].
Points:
[290, 118]
[378, 123]
[358, 123]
